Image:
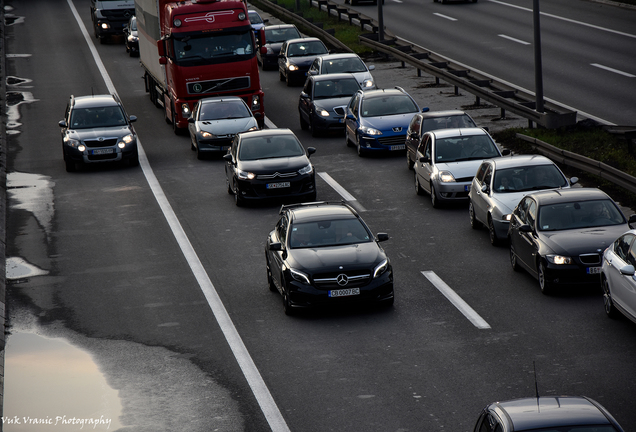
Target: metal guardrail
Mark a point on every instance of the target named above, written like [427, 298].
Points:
[583, 163]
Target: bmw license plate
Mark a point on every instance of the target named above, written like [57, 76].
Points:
[278, 185]
[102, 151]
[398, 147]
[344, 292]
[593, 270]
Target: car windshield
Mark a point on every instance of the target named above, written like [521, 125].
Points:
[301, 49]
[388, 105]
[280, 35]
[223, 110]
[464, 148]
[255, 18]
[343, 65]
[268, 147]
[334, 88]
[447, 122]
[528, 178]
[328, 233]
[86, 118]
[583, 214]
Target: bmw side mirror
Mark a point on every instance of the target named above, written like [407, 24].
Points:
[350, 117]
[132, 118]
[627, 270]
[62, 123]
[382, 237]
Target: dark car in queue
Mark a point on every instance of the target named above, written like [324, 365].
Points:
[269, 164]
[547, 414]
[323, 100]
[215, 121]
[295, 57]
[96, 129]
[131, 37]
[376, 120]
[323, 254]
[446, 162]
[344, 63]
[433, 120]
[618, 277]
[558, 236]
[270, 40]
[500, 184]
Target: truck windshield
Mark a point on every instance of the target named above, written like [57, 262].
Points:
[214, 48]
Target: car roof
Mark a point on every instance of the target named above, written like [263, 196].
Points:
[447, 113]
[448, 133]
[325, 77]
[95, 101]
[338, 56]
[556, 196]
[382, 92]
[267, 132]
[520, 160]
[308, 212]
[279, 26]
[553, 411]
[220, 99]
[306, 39]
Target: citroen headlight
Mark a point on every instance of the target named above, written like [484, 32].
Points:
[299, 276]
[306, 170]
[293, 67]
[380, 268]
[245, 175]
[367, 83]
[446, 177]
[559, 259]
[369, 131]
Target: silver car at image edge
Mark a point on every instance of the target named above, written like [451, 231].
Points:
[618, 277]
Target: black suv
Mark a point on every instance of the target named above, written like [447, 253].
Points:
[97, 129]
[323, 254]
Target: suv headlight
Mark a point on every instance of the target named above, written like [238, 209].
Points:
[306, 170]
[446, 177]
[559, 259]
[369, 131]
[299, 276]
[71, 142]
[380, 268]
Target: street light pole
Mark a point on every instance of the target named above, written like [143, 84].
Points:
[538, 74]
[380, 22]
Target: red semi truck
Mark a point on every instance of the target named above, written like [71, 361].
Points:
[194, 49]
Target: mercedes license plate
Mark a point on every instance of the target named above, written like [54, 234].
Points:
[278, 185]
[593, 270]
[398, 147]
[344, 292]
[102, 151]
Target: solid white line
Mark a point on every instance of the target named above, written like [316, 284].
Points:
[616, 71]
[456, 300]
[446, 17]
[243, 358]
[569, 20]
[514, 40]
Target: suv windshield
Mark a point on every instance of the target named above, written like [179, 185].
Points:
[328, 233]
[86, 118]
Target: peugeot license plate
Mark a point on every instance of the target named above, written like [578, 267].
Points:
[397, 147]
[278, 185]
[102, 151]
[593, 270]
[344, 292]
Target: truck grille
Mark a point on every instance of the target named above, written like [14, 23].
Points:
[220, 85]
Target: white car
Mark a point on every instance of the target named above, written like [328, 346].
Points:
[344, 63]
[446, 162]
[500, 184]
[617, 277]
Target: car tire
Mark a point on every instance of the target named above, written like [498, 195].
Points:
[71, 166]
[314, 132]
[287, 307]
[360, 150]
[133, 161]
[546, 287]
[288, 81]
[434, 198]
[409, 162]
[303, 124]
[347, 140]
[200, 155]
[281, 77]
[494, 240]
[238, 200]
[474, 223]
[270, 280]
[513, 259]
[418, 186]
[610, 309]
[229, 188]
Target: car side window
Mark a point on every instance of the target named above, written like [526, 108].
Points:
[353, 105]
[521, 210]
[488, 175]
[489, 424]
[281, 229]
[314, 66]
[427, 147]
[480, 172]
[283, 49]
[414, 126]
[622, 247]
[532, 212]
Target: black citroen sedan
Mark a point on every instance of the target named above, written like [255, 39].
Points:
[269, 164]
[559, 236]
[323, 254]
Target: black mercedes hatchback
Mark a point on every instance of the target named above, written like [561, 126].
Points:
[323, 254]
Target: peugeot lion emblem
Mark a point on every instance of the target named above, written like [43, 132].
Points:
[342, 279]
[397, 129]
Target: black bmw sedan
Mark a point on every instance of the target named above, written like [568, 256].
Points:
[269, 164]
[322, 254]
[559, 236]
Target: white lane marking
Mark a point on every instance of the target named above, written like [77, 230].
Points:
[616, 71]
[456, 300]
[336, 186]
[445, 17]
[242, 355]
[514, 40]
[569, 20]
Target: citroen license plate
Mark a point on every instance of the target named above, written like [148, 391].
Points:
[344, 292]
[278, 185]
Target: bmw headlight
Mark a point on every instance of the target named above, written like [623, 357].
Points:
[369, 131]
[306, 170]
[380, 268]
[446, 177]
[245, 175]
[559, 259]
[299, 276]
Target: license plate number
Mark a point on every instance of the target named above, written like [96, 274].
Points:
[398, 147]
[593, 270]
[467, 188]
[102, 151]
[278, 185]
[344, 292]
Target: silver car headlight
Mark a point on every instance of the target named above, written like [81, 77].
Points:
[299, 276]
[380, 268]
[367, 83]
[559, 259]
[306, 170]
[206, 134]
[245, 175]
[370, 131]
[446, 177]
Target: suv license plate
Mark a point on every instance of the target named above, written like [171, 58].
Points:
[344, 292]
[102, 151]
[278, 185]
[593, 270]
[398, 147]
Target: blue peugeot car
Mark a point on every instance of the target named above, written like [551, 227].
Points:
[377, 120]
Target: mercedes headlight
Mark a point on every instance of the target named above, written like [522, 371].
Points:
[299, 276]
[380, 268]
